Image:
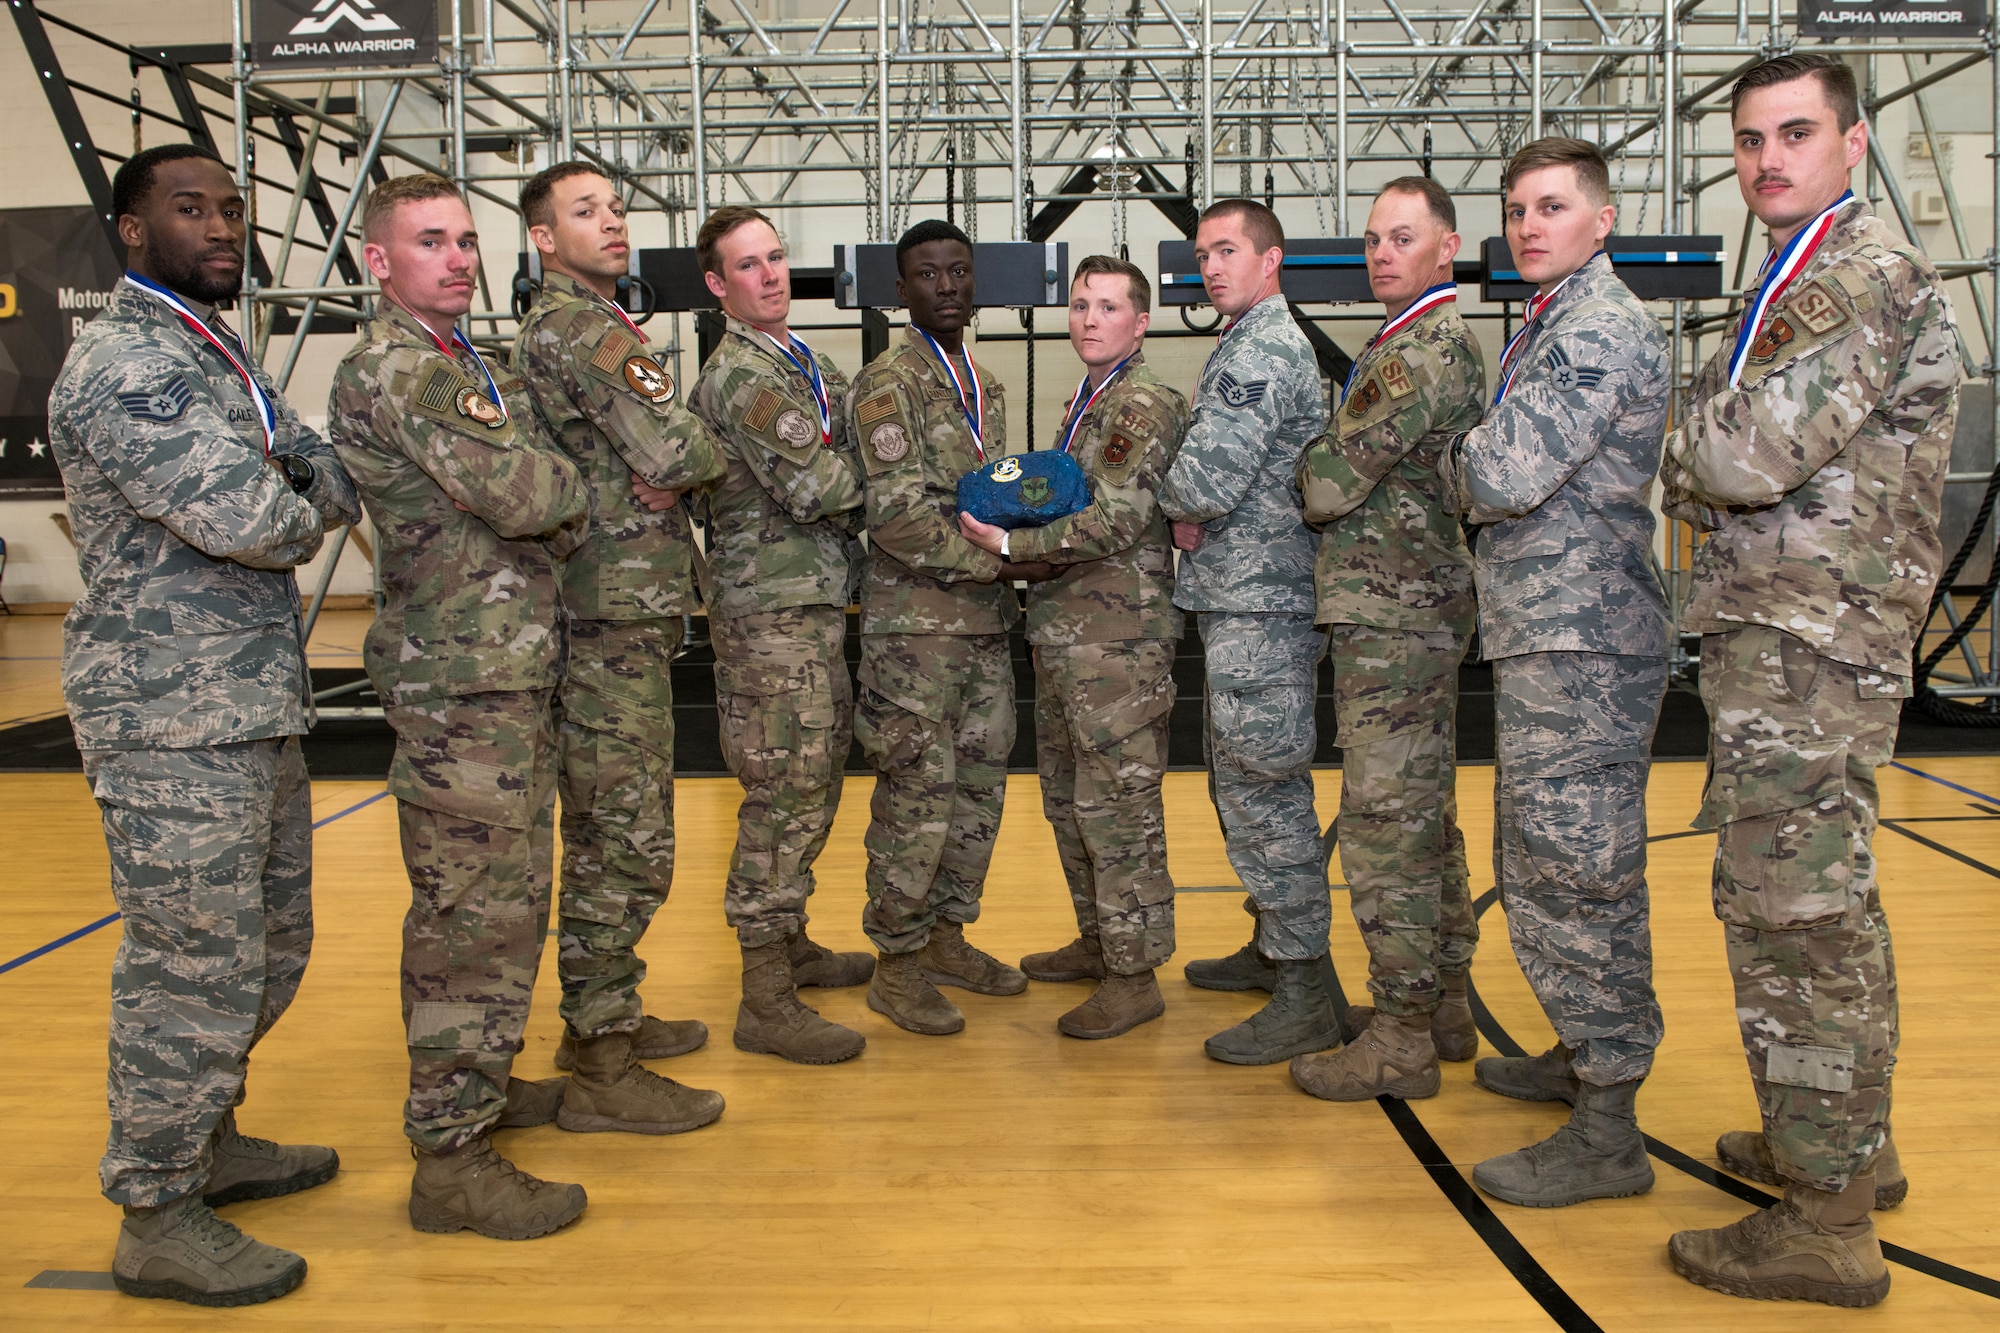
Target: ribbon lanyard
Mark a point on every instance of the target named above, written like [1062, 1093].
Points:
[974, 406]
[809, 368]
[267, 412]
[624, 318]
[1083, 404]
[459, 339]
[1536, 305]
[1432, 298]
[1775, 276]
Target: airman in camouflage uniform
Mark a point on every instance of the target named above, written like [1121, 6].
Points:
[784, 561]
[612, 408]
[1560, 477]
[185, 676]
[1819, 474]
[936, 708]
[1395, 585]
[1250, 581]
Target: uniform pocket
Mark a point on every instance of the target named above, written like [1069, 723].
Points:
[1263, 731]
[1785, 858]
[462, 788]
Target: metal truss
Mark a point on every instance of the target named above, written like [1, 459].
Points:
[871, 115]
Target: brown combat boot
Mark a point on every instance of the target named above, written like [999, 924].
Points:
[1079, 960]
[245, 1168]
[902, 993]
[181, 1251]
[531, 1102]
[1120, 1004]
[1810, 1246]
[817, 965]
[1747, 1153]
[951, 960]
[772, 1020]
[473, 1188]
[656, 1039]
[611, 1091]
[1453, 1032]
[1392, 1057]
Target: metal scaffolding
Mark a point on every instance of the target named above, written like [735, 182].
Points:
[869, 118]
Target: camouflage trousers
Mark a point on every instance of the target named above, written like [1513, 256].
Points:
[474, 779]
[615, 760]
[787, 711]
[1101, 747]
[1259, 742]
[936, 717]
[1794, 743]
[1396, 694]
[1574, 745]
[211, 865]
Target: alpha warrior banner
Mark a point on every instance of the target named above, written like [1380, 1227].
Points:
[308, 34]
[1891, 18]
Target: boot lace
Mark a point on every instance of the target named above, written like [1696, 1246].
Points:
[202, 1227]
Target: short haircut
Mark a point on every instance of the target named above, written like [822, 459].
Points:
[134, 180]
[386, 198]
[538, 196]
[720, 223]
[1836, 80]
[1433, 194]
[1259, 223]
[1557, 151]
[1094, 266]
[923, 233]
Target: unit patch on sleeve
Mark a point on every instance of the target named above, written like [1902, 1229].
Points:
[794, 429]
[1773, 339]
[1363, 398]
[762, 408]
[889, 441]
[476, 406]
[1117, 449]
[648, 380]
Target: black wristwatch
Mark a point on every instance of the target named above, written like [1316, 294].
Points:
[298, 470]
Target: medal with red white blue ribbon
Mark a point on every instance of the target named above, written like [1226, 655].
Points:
[1432, 298]
[459, 339]
[1509, 362]
[267, 411]
[1082, 405]
[624, 318]
[973, 405]
[809, 369]
[1776, 275]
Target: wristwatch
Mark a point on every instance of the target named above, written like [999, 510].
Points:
[298, 470]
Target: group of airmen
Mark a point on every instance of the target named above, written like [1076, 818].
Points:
[538, 556]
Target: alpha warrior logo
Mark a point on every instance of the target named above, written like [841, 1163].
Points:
[361, 13]
[344, 32]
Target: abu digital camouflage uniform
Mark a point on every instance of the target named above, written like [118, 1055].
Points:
[611, 408]
[1251, 586]
[1104, 634]
[783, 564]
[1820, 480]
[1560, 476]
[1395, 584]
[474, 512]
[185, 676]
[935, 712]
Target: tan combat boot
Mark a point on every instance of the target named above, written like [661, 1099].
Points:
[181, 1251]
[1452, 1030]
[1392, 1057]
[902, 993]
[531, 1102]
[1810, 1246]
[816, 965]
[245, 1168]
[1120, 1004]
[474, 1188]
[1079, 960]
[1747, 1153]
[772, 1020]
[951, 960]
[656, 1039]
[611, 1091]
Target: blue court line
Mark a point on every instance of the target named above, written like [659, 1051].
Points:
[1991, 800]
[75, 935]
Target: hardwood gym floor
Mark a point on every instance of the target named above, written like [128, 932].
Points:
[1006, 1177]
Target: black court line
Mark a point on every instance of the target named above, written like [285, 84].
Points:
[1915, 1260]
[1896, 826]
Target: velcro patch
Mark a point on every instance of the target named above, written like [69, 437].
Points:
[1363, 398]
[613, 352]
[874, 409]
[1816, 308]
[1239, 394]
[1396, 378]
[1117, 449]
[1822, 1068]
[762, 408]
[165, 404]
[441, 388]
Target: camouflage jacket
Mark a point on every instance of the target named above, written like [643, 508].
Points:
[921, 576]
[1821, 476]
[471, 596]
[1561, 475]
[1119, 583]
[188, 630]
[1393, 555]
[611, 408]
[1258, 406]
[782, 524]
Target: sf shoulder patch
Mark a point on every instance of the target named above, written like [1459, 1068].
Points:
[762, 408]
[166, 403]
[1238, 394]
[1363, 398]
[1396, 378]
[874, 409]
[890, 441]
[1569, 377]
[1816, 308]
